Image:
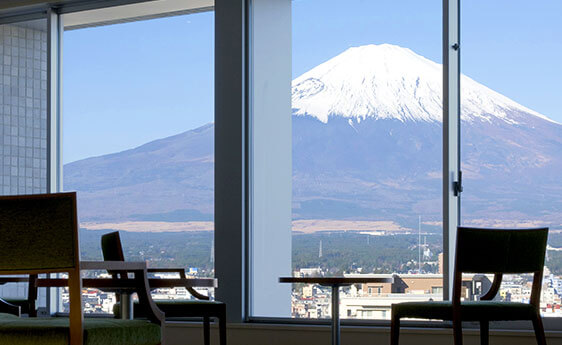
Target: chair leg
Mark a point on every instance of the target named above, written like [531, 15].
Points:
[222, 326]
[206, 330]
[32, 295]
[539, 330]
[484, 332]
[394, 329]
[457, 331]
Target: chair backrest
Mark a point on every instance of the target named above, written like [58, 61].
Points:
[500, 251]
[40, 235]
[113, 251]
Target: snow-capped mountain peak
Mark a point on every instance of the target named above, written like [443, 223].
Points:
[390, 82]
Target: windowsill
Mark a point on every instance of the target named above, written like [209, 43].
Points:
[306, 334]
[550, 324]
[375, 329]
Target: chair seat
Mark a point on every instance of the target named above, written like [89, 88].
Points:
[191, 308]
[470, 311]
[23, 303]
[98, 331]
[182, 308]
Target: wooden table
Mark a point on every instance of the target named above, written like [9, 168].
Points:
[335, 283]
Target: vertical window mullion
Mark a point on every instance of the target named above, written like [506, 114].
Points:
[54, 124]
[451, 136]
[54, 116]
[230, 155]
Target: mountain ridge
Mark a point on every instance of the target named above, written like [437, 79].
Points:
[385, 167]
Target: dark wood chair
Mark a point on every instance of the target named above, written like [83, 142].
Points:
[491, 251]
[19, 306]
[40, 235]
[201, 307]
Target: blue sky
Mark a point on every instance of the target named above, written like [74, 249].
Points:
[127, 84]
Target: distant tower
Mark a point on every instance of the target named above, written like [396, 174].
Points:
[212, 251]
[426, 250]
[419, 244]
[320, 250]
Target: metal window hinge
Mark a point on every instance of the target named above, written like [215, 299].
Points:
[457, 185]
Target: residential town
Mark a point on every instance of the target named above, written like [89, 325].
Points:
[368, 301]
[374, 301]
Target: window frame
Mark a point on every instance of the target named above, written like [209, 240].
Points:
[233, 89]
[451, 143]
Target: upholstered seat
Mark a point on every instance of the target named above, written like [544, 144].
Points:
[179, 308]
[97, 331]
[23, 303]
[470, 311]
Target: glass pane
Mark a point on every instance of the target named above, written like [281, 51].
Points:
[511, 137]
[23, 118]
[139, 143]
[367, 153]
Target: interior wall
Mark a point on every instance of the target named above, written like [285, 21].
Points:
[23, 118]
[23, 111]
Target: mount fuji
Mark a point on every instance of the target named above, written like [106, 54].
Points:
[390, 82]
[367, 145]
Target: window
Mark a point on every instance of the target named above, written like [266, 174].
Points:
[366, 152]
[511, 128]
[506, 65]
[138, 143]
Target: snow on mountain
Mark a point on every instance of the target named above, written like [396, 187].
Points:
[390, 82]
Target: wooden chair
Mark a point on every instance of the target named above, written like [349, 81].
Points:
[19, 306]
[201, 307]
[497, 251]
[40, 235]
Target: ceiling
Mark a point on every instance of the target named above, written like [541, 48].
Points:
[133, 12]
[88, 13]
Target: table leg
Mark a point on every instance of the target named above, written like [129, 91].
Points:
[335, 315]
[126, 306]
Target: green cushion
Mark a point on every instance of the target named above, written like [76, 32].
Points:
[54, 331]
[470, 311]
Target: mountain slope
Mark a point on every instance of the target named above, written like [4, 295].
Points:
[367, 144]
[174, 173]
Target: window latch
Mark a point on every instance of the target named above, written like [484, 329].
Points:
[457, 185]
